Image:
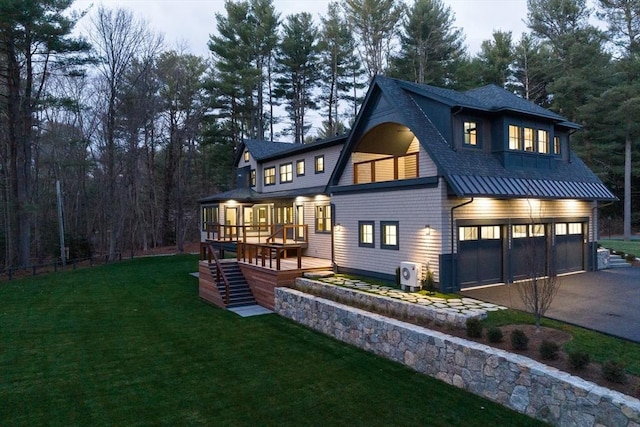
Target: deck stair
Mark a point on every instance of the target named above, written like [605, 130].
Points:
[239, 291]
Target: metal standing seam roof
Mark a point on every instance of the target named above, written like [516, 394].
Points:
[495, 186]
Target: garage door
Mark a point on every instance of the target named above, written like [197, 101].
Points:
[529, 253]
[479, 255]
[569, 247]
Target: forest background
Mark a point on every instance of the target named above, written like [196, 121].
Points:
[135, 132]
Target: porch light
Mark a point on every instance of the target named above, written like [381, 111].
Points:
[427, 230]
[338, 227]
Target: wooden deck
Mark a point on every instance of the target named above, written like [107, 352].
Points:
[263, 280]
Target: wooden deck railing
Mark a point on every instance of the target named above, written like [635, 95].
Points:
[261, 253]
[238, 233]
[212, 256]
[386, 169]
[296, 234]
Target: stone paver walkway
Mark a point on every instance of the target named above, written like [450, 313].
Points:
[455, 305]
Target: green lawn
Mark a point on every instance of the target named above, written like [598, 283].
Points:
[629, 247]
[131, 344]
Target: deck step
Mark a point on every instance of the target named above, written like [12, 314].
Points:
[616, 261]
[239, 291]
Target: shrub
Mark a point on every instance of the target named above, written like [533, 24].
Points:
[474, 328]
[630, 258]
[519, 340]
[494, 334]
[614, 371]
[579, 360]
[549, 350]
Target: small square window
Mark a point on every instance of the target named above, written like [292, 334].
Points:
[319, 164]
[470, 133]
[246, 155]
[365, 234]
[286, 173]
[300, 168]
[389, 235]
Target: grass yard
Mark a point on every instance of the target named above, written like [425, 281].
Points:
[131, 344]
[629, 247]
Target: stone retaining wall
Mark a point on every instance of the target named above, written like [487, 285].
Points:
[512, 380]
[381, 304]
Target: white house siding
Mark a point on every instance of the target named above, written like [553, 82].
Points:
[309, 179]
[413, 209]
[319, 243]
[426, 166]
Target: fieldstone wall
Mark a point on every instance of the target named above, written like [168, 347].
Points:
[381, 304]
[514, 381]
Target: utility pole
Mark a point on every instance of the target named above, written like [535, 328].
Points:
[63, 255]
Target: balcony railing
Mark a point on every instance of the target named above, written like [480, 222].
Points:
[386, 169]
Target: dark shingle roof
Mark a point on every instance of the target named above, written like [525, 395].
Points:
[479, 173]
[260, 149]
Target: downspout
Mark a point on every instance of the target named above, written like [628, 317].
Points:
[453, 267]
[594, 251]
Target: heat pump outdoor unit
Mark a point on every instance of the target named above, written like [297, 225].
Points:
[410, 276]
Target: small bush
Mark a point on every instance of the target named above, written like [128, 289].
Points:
[474, 328]
[519, 340]
[614, 371]
[630, 258]
[579, 360]
[494, 334]
[549, 350]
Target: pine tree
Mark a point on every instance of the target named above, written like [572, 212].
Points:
[430, 44]
[296, 65]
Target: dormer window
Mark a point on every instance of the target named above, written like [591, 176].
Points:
[470, 133]
[556, 145]
[543, 141]
[529, 139]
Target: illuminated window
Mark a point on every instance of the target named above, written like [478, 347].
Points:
[323, 219]
[300, 168]
[246, 155]
[365, 234]
[561, 229]
[468, 233]
[519, 231]
[543, 141]
[270, 176]
[529, 142]
[575, 228]
[470, 133]
[286, 173]
[209, 216]
[515, 138]
[389, 235]
[253, 177]
[556, 145]
[490, 232]
[319, 164]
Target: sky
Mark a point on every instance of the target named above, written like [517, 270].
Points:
[188, 23]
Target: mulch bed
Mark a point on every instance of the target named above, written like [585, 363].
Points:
[592, 372]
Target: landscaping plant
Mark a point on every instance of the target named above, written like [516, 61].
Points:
[519, 340]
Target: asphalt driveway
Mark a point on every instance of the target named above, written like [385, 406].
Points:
[606, 301]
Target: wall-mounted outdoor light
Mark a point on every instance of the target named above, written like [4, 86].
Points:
[427, 230]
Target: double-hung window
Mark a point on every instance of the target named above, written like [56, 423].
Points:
[319, 164]
[286, 173]
[300, 167]
[323, 218]
[270, 175]
[365, 234]
[470, 133]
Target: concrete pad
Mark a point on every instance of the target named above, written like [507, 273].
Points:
[250, 310]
